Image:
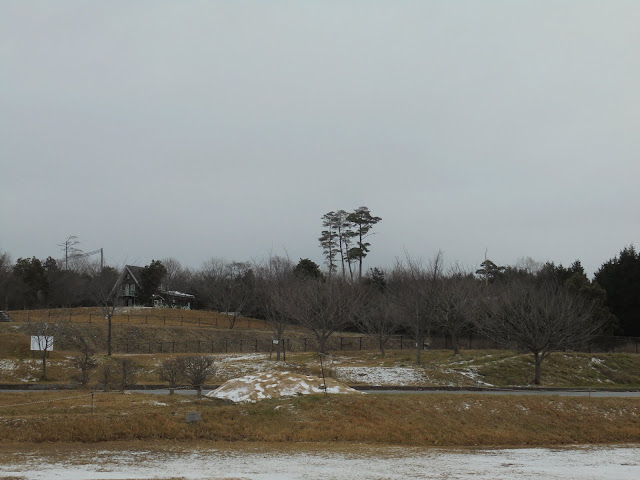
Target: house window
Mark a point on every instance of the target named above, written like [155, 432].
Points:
[132, 290]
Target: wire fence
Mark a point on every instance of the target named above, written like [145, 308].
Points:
[215, 343]
[170, 317]
[339, 343]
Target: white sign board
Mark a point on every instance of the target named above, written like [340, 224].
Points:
[39, 343]
[275, 342]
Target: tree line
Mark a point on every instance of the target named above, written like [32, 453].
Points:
[537, 307]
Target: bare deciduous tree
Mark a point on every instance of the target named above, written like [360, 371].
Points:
[45, 333]
[414, 287]
[538, 318]
[275, 280]
[197, 369]
[229, 287]
[128, 371]
[172, 372]
[85, 360]
[104, 293]
[457, 302]
[381, 318]
[322, 307]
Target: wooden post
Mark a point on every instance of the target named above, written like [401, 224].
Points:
[211, 346]
[305, 344]
[257, 345]
[360, 344]
[241, 345]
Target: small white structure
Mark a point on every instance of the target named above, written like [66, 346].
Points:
[41, 343]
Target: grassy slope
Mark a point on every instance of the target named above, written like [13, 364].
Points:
[439, 368]
[442, 420]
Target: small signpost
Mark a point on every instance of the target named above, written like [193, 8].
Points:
[193, 417]
[41, 342]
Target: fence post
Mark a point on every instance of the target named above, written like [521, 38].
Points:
[400, 342]
[305, 344]
[211, 346]
[241, 345]
[257, 345]
[340, 343]
[173, 347]
[149, 347]
[226, 346]
[360, 343]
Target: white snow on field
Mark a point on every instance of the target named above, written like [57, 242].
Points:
[379, 375]
[364, 463]
[252, 388]
[8, 365]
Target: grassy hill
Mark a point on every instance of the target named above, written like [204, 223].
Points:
[243, 350]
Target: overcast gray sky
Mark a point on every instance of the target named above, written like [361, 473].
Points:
[199, 129]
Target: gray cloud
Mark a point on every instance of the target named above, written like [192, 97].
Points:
[202, 129]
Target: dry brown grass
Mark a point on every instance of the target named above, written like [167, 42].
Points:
[417, 420]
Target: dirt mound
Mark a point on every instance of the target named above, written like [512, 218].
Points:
[253, 388]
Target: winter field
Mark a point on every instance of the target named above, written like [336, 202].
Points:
[265, 462]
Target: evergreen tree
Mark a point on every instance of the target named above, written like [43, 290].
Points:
[308, 268]
[362, 222]
[620, 278]
[152, 276]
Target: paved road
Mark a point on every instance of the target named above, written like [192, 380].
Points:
[399, 391]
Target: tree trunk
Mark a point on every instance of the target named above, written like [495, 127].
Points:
[44, 365]
[322, 344]
[538, 362]
[199, 391]
[109, 335]
[455, 343]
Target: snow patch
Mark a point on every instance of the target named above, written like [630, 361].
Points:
[379, 375]
[252, 388]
